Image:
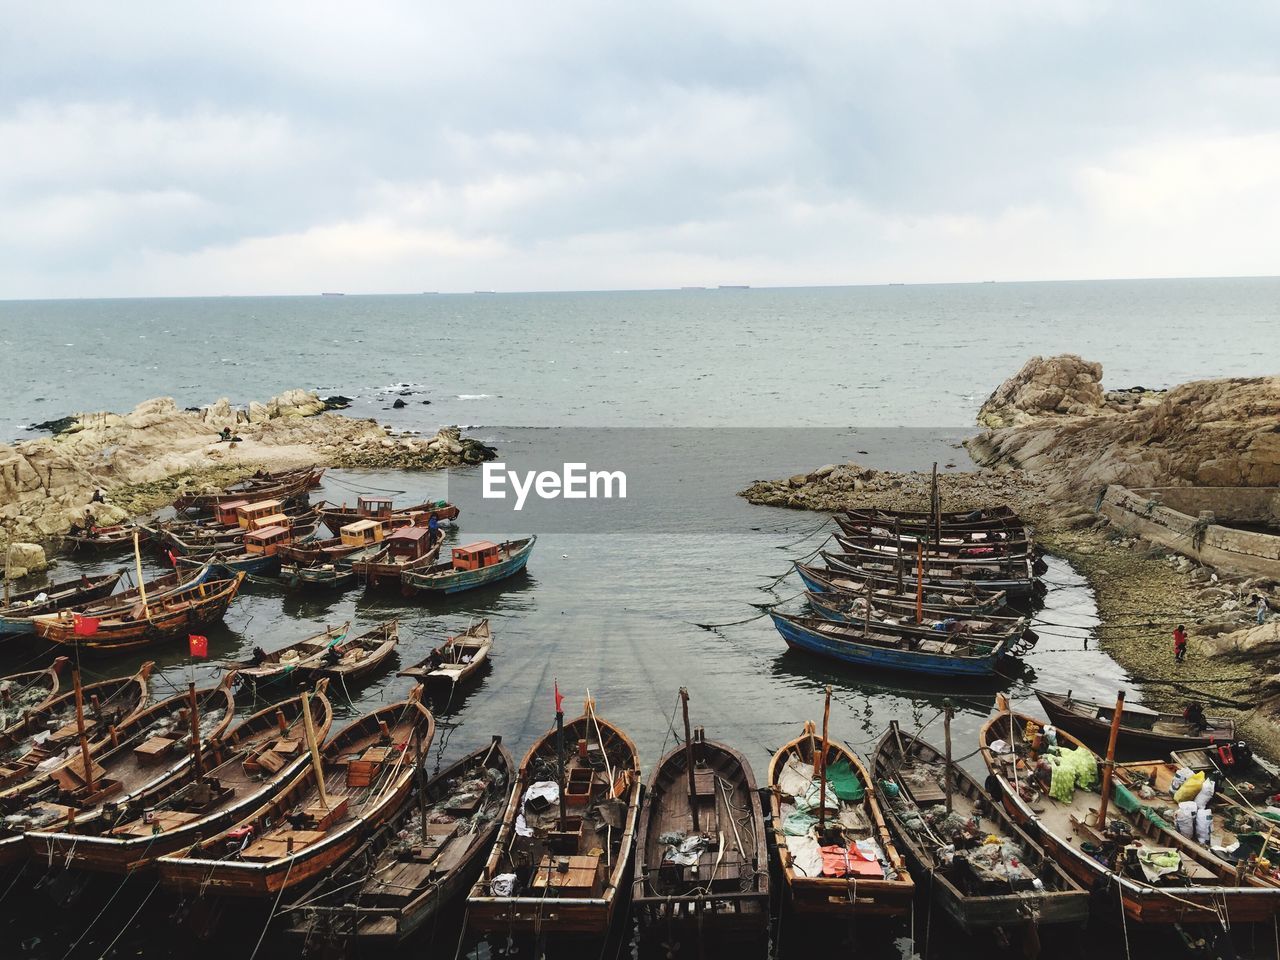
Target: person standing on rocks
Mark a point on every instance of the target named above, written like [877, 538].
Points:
[1180, 644]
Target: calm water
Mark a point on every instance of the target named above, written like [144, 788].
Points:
[618, 613]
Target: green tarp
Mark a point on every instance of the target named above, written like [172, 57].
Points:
[845, 781]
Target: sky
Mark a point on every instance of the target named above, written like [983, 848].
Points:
[160, 149]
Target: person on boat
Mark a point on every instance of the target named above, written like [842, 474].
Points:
[258, 657]
[85, 582]
[332, 657]
[433, 532]
[1194, 715]
[1180, 643]
[89, 526]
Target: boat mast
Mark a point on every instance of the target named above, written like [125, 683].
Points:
[84, 742]
[947, 712]
[919, 581]
[688, 759]
[866, 613]
[8, 555]
[142, 589]
[1110, 763]
[935, 505]
[560, 757]
[421, 775]
[196, 758]
[822, 781]
[316, 765]
[897, 536]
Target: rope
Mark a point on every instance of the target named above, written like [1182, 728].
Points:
[330, 478]
[271, 916]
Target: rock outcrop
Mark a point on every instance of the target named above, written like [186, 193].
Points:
[1065, 385]
[21, 559]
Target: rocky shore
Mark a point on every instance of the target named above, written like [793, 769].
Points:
[143, 459]
[1054, 438]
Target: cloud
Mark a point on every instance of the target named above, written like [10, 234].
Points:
[289, 148]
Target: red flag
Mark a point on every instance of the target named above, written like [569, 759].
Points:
[199, 645]
[559, 698]
[173, 561]
[86, 626]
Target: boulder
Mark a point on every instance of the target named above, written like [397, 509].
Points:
[24, 559]
[1065, 385]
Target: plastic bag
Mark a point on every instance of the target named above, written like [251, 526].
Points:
[1179, 779]
[1206, 794]
[1204, 826]
[1190, 787]
[1185, 819]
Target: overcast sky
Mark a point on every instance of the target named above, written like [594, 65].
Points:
[173, 149]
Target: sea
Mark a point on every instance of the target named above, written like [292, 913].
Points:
[742, 384]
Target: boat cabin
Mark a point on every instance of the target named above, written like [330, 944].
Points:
[251, 515]
[376, 508]
[228, 514]
[361, 533]
[476, 555]
[266, 541]
[409, 543]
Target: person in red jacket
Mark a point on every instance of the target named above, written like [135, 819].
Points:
[1180, 644]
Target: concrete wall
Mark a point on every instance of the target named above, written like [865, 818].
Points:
[1237, 504]
[1137, 512]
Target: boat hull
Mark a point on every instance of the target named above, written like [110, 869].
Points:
[800, 638]
[460, 580]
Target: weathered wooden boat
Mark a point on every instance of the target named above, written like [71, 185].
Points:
[289, 485]
[356, 783]
[229, 520]
[197, 549]
[103, 539]
[833, 845]
[459, 659]
[404, 550]
[238, 774]
[130, 600]
[1143, 731]
[702, 859]
[998, 517]
[940, 577]
[945, 834]
[188, 609]
[262, 668]
[328, 564]
[50, 730]
[381, 509]
[260, 555]
[942, 655]
[888, 590]
[154, 746]
[415, 864]
[354, 660]
[29, 692]
[475, 565]
[849, 609]
[1155, 883]
[1239, 773]
[561, 856]
[325, 576]
[995, 560]
[15, 616]
[910, 533]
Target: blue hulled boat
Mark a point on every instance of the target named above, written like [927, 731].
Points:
[475, 565]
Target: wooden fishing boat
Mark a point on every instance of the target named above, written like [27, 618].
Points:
[953, 537]
[1143, 731]
[328, 564]
[560, 871]
[1153, 886]
[325, 576]
[702, 864]
[416, 863]
[860, 872]
[230, 520]
[358, 781]
[205, 547]
[289, 485]
[15, 616]
[404, 550]
[1008, 884]
[849, 609]
[260, 556]
[130, 600]
[888, 590]
[475, 565]
[354, 660]
[994, 560]
[459, 659]
[153, 746]
[238, 774]
[1240, 775]
[50, 731]
[30, 692]
[381, 509]
[998, 517]
[178, 614]
[942, 655]
[103, 539]
[939, 577]
[263, 668]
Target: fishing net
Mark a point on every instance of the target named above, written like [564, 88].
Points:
[845, 781]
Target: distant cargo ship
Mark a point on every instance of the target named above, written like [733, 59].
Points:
[330, 294]
[734, 286]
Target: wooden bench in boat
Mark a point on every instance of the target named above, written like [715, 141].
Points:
[160, 822]
[281, 842]
[273, 757]
[578, 880]
[153, 749]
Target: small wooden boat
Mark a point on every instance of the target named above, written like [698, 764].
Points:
[954, 538]
[705, 874]
[329, 564]
[325, 576]
[1240, 776]
[50, 731]
[289, 485]
[834, 848]
[178, 614]
[941, 654]
[260, 556]
[357, 782]
[1143, 731]
[239, 773]
[103, 539]
[404, 550]
[1155, 883]
[262, 668]
[560, 870]
[475, 565]
[888, 590]
[30, 692]
[15, 616]
[381, 509]
[980, 884]
[993, 561]
[945, 577]
[999, 518]
[130, 600]
[844, 608]
[234, 542]
[352, 661]
[414, 865]
[457, 660]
